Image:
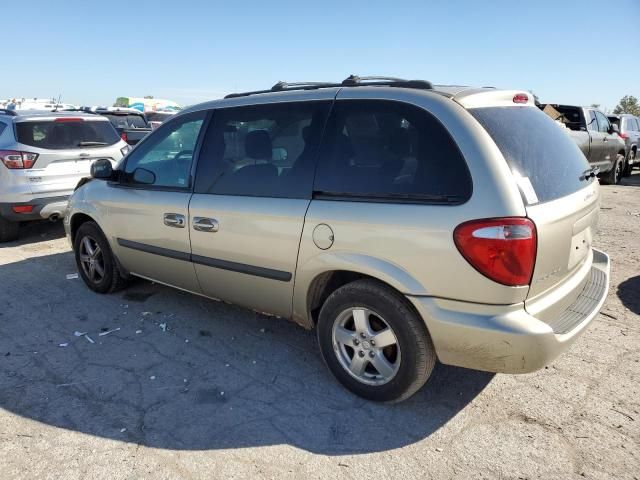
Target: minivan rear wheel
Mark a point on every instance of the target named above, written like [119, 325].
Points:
[374, 343]
[8, 230]
[95, 260]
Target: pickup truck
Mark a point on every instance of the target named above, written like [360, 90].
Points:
[595, 135]
[131, 124]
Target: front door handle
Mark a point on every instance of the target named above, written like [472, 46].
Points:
[606, 139]
[204, 224]
[175, 220]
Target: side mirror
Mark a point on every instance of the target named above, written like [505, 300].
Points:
[144, 176]
[102, 169]
[614, 128]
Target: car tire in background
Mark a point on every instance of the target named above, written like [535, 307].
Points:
[628, 166]
[8, 230]
[353, 319]
[96, 262]
[613, 176]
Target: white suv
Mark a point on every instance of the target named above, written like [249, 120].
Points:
[43, 155]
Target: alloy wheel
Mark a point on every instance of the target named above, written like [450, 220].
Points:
[91, 259]
[366, 346]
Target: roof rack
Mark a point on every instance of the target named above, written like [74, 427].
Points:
[8, 111]
[350, 81]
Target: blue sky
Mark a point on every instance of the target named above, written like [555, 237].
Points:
[191, 51]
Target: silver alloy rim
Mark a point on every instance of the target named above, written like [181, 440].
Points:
[366, 346]
[91, 259]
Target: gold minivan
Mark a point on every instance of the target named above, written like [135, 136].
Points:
[405, 222]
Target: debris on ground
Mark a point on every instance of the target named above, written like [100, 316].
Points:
[152, 377]
[146, 314]
[205, 333]
[79, 334]
[438, 449]
[163, 326]
[89, 339]
[71, 276]
[63, 345]
[262, 330]
[138, 331]
[107, 332]
[122, 430]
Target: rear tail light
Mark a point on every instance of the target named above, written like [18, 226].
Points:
[520, 98]
[124, 137]
[17, 160]
[623, 135]
[502, 249]
[22, 208]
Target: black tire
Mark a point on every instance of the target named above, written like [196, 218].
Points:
[8, 230]
[416, 356]
[628, 167]
[613, 176]
[112, 279]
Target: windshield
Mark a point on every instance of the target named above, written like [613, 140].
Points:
[543, 157]
[62, 135]
[127, 121]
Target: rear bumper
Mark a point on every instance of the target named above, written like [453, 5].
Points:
[43, 208]
[507, 339]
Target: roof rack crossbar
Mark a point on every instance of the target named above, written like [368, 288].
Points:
[351, 81]
[355, 80]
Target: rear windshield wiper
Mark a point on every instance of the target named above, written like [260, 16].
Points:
[591, 173]
[92, 144]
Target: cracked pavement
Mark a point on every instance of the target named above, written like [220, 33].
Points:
[228, 393]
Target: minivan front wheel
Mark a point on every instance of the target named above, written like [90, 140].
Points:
[95, 260]
[374, 343]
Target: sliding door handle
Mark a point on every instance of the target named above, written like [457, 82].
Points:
[204, 224]
[175, 220]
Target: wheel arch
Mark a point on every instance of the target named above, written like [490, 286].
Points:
[315, 282]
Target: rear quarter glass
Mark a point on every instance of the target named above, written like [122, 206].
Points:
[65, 135]
[546, 162]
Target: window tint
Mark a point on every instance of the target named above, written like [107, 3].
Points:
[2, 127]
[127, 121]
[69, 134]
[635, 124]
[603, 123]
[264, 150]
[168, 153]
[390, 151]
[537, 150]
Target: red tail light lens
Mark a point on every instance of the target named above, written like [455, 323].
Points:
[22, 208]
[502, 249]
[68, 119]
[520, 98]
[17, 160]
[623, 135]
[124, 137]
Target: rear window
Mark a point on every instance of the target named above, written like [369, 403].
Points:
[64, 135]
[545, 160]
[127, 121]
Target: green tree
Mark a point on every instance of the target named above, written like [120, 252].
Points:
[121, 102]
[628, 104]
[595, 105]
[148, 96]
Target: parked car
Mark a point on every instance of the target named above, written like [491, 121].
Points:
[131, 124]
[157, 118]
[43, 156]
[629, 131]
[405, 222]
[595, 135]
